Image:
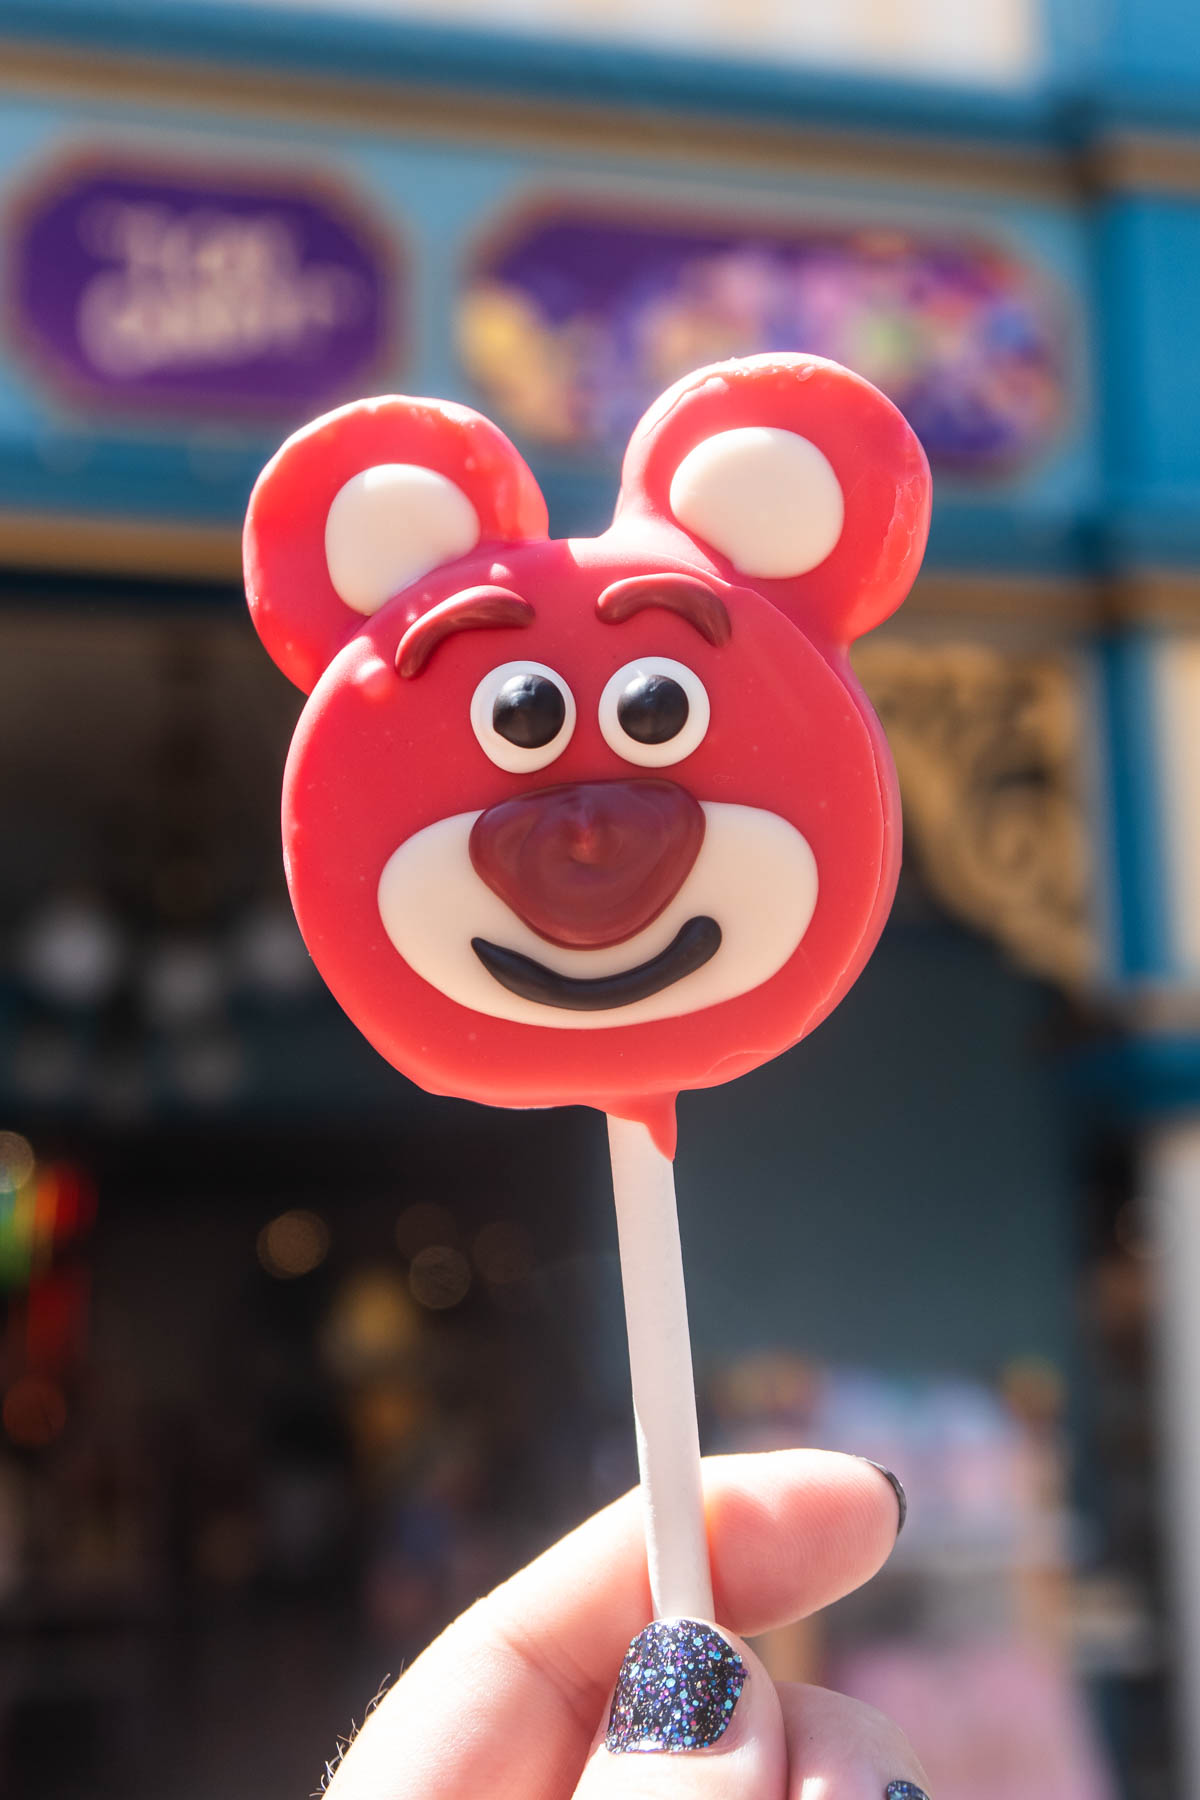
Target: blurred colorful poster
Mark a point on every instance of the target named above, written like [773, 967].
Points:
[572, 322]
[994, 1721]
[967, 1636]
[196, 289]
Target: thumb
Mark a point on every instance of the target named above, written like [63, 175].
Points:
[695, 1716]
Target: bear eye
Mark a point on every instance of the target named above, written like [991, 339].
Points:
[653, 707]
[654, 712]
[523, 715]
[529, 710]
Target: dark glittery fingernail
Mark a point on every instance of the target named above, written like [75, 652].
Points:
[897, 1487]
[677, 1689]
[903, 1790]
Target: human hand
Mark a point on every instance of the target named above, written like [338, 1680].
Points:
[515, 1700]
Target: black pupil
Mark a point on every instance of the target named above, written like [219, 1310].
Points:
[529, 711]
[653, 709]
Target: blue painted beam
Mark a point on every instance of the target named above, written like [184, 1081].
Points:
[342, 43]
[1130, 1079]
[1141, 925]
[1147, 372]
[1133, 66]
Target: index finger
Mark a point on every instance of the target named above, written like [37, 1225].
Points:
[506, 1702]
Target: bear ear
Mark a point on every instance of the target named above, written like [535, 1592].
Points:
[364, 501]
[794, 476]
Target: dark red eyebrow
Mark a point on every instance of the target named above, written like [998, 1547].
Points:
[686, 595]
[475, 609]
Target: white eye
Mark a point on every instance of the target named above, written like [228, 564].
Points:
[523, 715]
[654, 712]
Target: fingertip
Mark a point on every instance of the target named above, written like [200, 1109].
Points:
[837, 1745]
[793, 1530]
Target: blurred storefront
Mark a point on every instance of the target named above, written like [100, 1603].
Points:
[297, 1359]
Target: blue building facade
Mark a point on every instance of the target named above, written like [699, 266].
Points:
[218, 220]
[1014, 264]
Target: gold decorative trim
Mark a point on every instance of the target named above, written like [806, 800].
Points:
[1162, 162]
[83, 544]
[1161, 1011]
[1037, 607]
[989, 750]
[465, 116]
[1057, 603]
[95, 544]
[1153, 596]
[1029, 609]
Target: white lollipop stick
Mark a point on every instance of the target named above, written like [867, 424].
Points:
[660, 1362]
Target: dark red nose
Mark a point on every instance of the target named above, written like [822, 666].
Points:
[590, 864]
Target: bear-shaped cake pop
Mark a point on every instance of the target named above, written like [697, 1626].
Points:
[591, 820]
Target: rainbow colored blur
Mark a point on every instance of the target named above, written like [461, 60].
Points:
[42, 1208]
[46, 1212]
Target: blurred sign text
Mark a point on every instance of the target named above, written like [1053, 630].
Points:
[199, 291]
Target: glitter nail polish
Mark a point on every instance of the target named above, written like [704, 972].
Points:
[904, 1790]
[897, 1487]
[677, 1689]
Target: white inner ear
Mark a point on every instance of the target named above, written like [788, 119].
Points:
[767, 499]
[391, 524]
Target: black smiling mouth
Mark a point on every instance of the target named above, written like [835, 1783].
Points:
[695, 943]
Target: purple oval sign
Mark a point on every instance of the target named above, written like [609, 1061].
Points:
[197, 290]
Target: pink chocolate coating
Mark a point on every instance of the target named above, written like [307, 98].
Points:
[596, 848]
